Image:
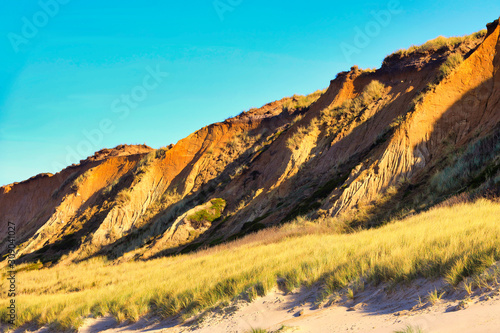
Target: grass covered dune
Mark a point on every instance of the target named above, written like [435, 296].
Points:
[451, 242]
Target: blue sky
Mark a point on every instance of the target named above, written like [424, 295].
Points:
[77, 76]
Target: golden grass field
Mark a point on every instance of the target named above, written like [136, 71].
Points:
[450, 242]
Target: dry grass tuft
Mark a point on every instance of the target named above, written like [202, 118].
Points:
[435, 45]
[410, 329]
[299, 102]
[452, 62]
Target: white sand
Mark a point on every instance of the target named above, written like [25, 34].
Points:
[373, 310]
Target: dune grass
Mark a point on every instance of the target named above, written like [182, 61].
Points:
[297, 102]
[436, 44]
[452, 62]
[257, 330]
[452, 242]
[410, 329]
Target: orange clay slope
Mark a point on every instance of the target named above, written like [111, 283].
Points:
[374, 145]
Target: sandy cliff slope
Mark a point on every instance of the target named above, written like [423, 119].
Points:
[380, 143]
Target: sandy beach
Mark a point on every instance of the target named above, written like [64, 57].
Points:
[381, 309]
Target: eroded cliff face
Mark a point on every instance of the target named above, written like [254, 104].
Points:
[373, 138]
[114, 194]
[43, 204]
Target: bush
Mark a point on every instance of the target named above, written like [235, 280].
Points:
[374, 91]
[161, 153]
[107, 190]
[123, 197]
[145, 162]
[294, 141]
[80, 179]
[210, 214]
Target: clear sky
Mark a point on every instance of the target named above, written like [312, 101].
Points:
[77, 76]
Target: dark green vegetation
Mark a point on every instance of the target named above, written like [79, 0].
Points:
[209, 214]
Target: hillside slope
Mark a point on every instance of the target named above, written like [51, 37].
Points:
[454, 243]
[373, 145]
